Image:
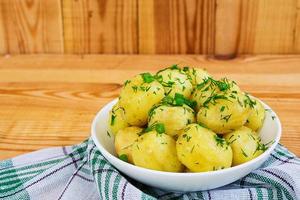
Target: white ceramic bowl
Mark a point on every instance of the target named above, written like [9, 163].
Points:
[271, 131]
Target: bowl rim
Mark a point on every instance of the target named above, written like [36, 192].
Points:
[184, 174]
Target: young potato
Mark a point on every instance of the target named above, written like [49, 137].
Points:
[245, 145]
[225, 114]
[156, 151]
[257, 117]
[201, 150]
[211, 90]
[124, 140]
[174, 118]
[138, 96]
[196, 75]
[116, 119]
[174, 81]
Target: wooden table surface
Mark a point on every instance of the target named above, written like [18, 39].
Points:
[50, 100]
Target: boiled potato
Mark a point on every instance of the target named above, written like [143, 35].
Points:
[174, 118]
[175, 81]
[137, 97]
[196, 75]
[245, 145]
[225, 114]
[124, 140]
[257, 117]
[200, 149]
[117, 119]
[156, 151]
[210, 90]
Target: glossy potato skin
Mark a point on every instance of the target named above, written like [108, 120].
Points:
[137, 98]
[174, 118]
[203, 91]
[257, 117]
[156, 151]
[197, 75]
[116, 119]
[199, 151]
[124, 140]
[181, 83]
[225, 115]
[244, 143]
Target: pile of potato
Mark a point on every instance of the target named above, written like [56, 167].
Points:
[183, 120]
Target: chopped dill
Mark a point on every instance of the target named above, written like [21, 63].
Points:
[108, 134]
[112, 121]
[123, 157]
[226, 117]
[244, 153]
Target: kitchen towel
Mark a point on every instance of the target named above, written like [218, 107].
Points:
[81, 172]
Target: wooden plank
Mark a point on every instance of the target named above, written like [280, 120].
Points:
[227, 28]
[268, 26]
[176, 26]
[50, 100]
[297, 30]
[92, 26]
[30, 26]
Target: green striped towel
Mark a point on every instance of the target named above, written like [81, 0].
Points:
[81, 172]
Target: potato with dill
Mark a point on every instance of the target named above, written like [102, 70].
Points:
[175, 81]
[257, 116]
[211, 89]
[196, 75]
[245, 144]
[138, 96]
[173, 117]
[201, 150]
[157, 151]
[124, 140]
[117, 119]
[225, 108]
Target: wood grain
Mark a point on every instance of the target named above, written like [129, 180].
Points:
[224, 28]
[94, 26]
[30, 26]
[50, 100]
[176, 26]
[269, 26]
[227, 28]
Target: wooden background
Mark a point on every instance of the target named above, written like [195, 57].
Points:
[220, 27]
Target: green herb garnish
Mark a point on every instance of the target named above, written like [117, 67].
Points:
[226, 117]
[243, 152]
[187, 137]
[222, 108]
[147, 77]
[249, 101]
[127, 82]
[108, 134]
[220, 141]
[135, 88]
[123, 157]
[112, 121]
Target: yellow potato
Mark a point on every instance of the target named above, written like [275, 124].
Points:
[137, 97]
[196, 75]
[116, 119]
[200, 149]
[210, 88]
[124, 140]
[156, 151]
[245, 145]
[225, 115]
[257, 117]
[174, 118]
[175, 81]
